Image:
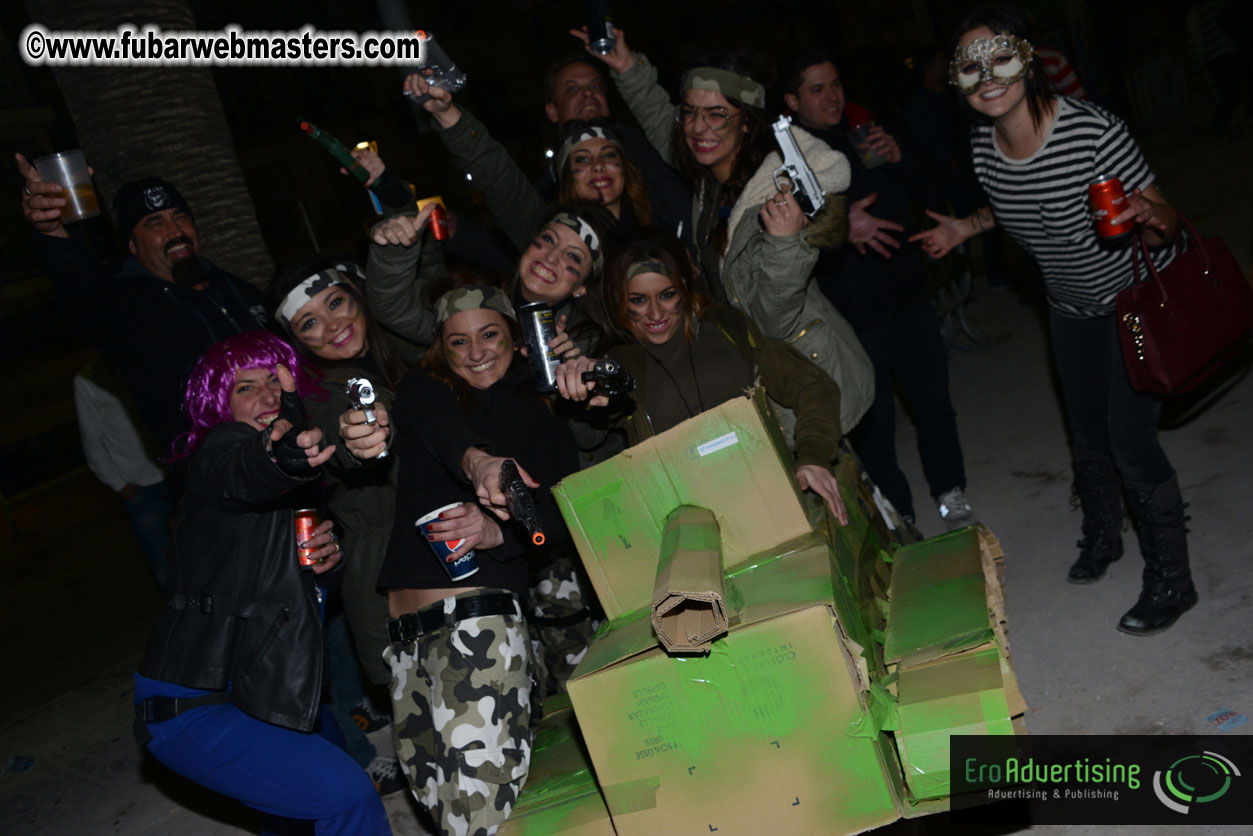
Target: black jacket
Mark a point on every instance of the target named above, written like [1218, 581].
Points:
[154, 331]
[432, 433]
[240, 610]
[869, 289]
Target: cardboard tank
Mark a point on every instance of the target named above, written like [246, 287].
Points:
[764, 669]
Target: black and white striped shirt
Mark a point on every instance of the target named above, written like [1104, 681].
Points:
[1043, 202]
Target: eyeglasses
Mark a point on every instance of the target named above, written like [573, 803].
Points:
[715, 117]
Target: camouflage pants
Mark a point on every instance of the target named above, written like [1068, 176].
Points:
[560, 615]
[461, 703]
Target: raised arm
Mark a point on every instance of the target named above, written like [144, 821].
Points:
[403, 262]
[636, 79]
[516, 205]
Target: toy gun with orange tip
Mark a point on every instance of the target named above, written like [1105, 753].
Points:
[520, 502]
[437, 68]
[805, 186]
[335, 148]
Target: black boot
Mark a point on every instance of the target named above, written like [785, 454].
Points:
[1098, 492]
[1168, 591]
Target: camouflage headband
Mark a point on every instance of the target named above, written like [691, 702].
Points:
[732, 85]
[639, 268]
[473, 297]
[593, 132]
[300, 295]
[586, 234]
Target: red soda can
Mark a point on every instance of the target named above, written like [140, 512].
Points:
[307, 519]
[439, 223]
[1108, 201]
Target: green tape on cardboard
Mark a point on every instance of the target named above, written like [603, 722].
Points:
[558, 817]
[632, 796]
[557, 786]
[880, 714]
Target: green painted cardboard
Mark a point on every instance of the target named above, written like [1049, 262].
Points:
[769, 709]
[616, 510]
[689, 596]
[938, 599]
[560, 797]
[962, 694]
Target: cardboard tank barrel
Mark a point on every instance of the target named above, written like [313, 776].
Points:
[765, 669]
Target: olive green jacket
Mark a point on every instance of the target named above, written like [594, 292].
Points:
[789, 379]
[769, 277]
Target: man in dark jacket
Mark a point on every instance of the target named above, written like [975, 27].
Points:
[156, 314]
[882, 290]
[575, 88]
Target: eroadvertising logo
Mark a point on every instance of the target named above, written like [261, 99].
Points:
[1100, 779]
[1210, 775]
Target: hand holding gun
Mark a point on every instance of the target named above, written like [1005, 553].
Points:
[361, 393]
[520, 501]
[805, 186]
[610, 378]
[437, 69]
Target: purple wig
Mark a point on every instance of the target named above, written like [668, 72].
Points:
[208, 399]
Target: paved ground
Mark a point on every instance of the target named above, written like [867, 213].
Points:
[76, 603]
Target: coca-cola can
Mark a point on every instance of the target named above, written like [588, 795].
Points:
[439, 223]
[1108, 202]
[307, 521]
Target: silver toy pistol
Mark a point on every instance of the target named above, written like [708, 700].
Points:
[361, 393]
[437, 68]
[805, 186]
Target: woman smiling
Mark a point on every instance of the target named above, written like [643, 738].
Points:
[753, 243]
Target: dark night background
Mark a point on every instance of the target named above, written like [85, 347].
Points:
[1130, 57]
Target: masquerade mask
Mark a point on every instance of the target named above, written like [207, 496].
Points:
[1003, 58]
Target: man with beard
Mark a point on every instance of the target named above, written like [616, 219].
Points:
[156, 314]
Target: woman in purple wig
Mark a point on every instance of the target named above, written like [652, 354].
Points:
[229, 691]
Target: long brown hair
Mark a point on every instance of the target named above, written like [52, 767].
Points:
[634, 193]
[756, 143]
[293, 273]
[650, 244]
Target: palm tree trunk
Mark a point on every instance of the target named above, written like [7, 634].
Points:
[139, 121]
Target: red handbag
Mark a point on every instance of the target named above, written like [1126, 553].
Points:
[1182, 323]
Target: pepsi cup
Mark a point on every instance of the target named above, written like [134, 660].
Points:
[464, 566]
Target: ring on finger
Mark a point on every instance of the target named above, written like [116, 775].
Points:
[780, 202]
[26, 189]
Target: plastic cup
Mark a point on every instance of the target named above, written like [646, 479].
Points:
[69, 168]
[464, 566]
[859, 137]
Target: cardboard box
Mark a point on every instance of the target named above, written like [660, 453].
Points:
[947, 645]
[689, 596]
[560, 797]
[731, 460]
[753, 738]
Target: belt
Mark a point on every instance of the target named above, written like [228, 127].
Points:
[160, 709]
[429, 619]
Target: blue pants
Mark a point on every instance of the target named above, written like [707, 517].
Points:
[275, 770]
[909, 351]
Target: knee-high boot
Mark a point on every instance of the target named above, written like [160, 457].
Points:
[1168, 591]
[1099, 493]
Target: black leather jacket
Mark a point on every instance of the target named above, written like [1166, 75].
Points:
[240, 610]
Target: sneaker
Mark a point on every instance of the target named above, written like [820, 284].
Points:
[386, 775]
[365, 716]
[954, 509]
